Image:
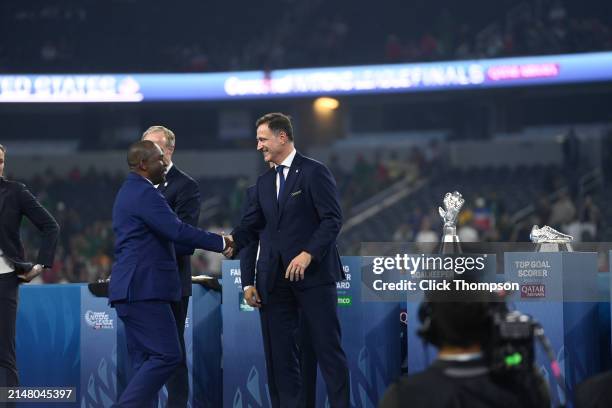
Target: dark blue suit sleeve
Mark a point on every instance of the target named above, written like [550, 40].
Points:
[158, 215]
[248, 258]
[324, 194]
[252, 222]
[187, 208]
[248, 254]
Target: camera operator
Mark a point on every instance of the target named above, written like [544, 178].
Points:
[465, 373]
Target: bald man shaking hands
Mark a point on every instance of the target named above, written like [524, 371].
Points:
[145, 278]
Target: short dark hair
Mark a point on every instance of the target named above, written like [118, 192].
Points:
[461, 324]
[460, 318]
[277, 121]
[3, 148]
[140, 151]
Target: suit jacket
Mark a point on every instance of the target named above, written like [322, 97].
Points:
[145, 229]
[307, 217]
[248, 254]
[15, 203]
[183, 196]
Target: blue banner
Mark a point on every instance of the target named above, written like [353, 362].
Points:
[48, 338]
[98, 351]
[351, 80]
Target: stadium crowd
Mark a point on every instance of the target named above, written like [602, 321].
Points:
[73, 36]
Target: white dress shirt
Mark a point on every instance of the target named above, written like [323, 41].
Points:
[167, 170]
[5, 264]
[287, 163]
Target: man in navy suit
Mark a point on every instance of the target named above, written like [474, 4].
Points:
[145, 279]
[297, 210]
[308, 359]
[183, 196]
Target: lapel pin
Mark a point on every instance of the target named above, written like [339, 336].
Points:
[297, 170]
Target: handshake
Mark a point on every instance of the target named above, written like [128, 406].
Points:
[230, 246]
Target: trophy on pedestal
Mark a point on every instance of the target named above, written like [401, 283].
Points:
[452, 205]
[548, 239]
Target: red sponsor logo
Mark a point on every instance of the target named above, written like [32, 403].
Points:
[533, 290]
[525, 71]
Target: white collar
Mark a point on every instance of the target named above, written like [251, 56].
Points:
[461, 357]
[288, 160]
[166, 173]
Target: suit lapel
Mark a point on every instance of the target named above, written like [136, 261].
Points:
[3, 193]
[169, 178]
[292, 176]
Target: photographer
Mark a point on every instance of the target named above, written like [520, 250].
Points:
[465, 373]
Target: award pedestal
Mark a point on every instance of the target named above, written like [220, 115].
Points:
[559, 290]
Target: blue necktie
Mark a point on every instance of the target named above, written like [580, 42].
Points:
[281, 178]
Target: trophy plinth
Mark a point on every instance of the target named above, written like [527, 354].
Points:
[554, 247]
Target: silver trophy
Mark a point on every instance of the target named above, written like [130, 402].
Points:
[548, 239]
[452, 206]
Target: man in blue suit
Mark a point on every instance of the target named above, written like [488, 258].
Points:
[145, 279]
[183, 196]
[297, 211]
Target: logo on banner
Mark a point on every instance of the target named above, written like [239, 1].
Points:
[345, 301]
[98, 320]
[533, 290]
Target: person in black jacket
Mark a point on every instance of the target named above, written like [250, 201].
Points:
[15, 203]
[461, 377]
[595, 392]
[183, 196]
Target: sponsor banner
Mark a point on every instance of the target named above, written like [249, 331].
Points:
[98, 351]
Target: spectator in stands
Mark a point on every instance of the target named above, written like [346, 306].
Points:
[563, 211]
[543, 210]
[590, 216]
[504, 227]
[403, 233]
[483, 219]
[467, 232]
[426, 238]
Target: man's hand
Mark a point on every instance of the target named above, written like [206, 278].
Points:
[252, 297]
[34, 272]
[230, 246]
[296, 268]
